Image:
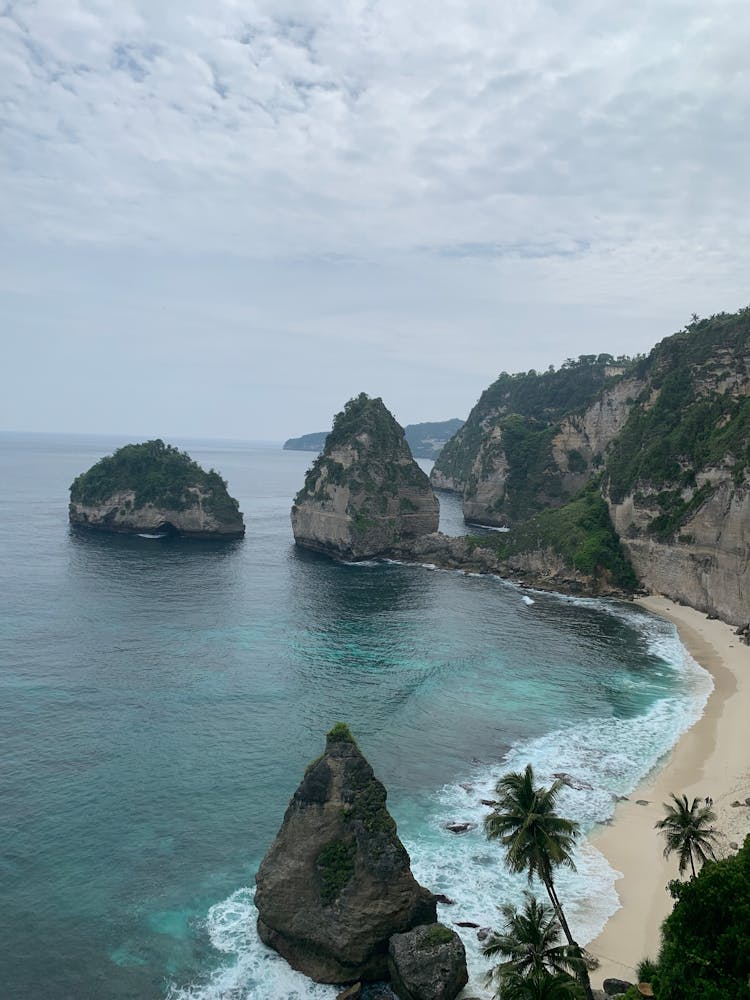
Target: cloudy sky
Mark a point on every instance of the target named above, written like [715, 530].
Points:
[226, 217]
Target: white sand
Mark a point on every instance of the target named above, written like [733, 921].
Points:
[712, 758]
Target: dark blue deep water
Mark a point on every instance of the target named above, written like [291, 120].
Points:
[160, 700]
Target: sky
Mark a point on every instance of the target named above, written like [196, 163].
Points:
[224, 218]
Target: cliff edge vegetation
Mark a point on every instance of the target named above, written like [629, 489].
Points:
[579, 534]
[677, 479]
[154, 486]
[523, 447]
[663, 438]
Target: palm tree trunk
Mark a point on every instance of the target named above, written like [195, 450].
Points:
[692, 866]
[583, 972]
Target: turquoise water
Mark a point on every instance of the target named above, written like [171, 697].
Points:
[159, 702]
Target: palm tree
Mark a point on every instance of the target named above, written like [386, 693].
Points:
[536, 840]
[539, 985]
[687, 830]
[529, 942]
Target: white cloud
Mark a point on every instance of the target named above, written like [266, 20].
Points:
[536, 155]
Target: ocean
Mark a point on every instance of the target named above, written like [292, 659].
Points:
[159, 701]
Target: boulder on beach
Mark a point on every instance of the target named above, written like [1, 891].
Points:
[427, 963]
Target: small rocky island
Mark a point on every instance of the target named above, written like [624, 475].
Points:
[335, 893]
[365, 495]
[154, 488]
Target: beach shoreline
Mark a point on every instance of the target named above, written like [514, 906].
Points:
[709, 759]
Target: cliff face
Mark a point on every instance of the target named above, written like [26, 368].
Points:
[336, 883]
[365, 494]
[154, 488]
[117, 514]
[677, 475]
[533, 440]
[663, 439]
[708, 564]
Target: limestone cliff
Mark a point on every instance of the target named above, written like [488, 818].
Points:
[573, 548]
[154, 488]
[665, 442]
[365, 494]
[336, 883]
[534, 439]
[677, 475]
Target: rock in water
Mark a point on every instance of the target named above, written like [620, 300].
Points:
[365, 495]
[336, 882]
[154, 488]
[428, 963]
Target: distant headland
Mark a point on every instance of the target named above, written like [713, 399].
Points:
[426, 440]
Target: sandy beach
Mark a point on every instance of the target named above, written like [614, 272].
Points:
[712, 758]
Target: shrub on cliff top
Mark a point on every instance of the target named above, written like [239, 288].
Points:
[340, 734]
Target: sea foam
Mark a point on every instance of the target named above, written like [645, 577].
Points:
[606, 757]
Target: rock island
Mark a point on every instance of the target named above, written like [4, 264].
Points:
[365, 495]
[154, 487]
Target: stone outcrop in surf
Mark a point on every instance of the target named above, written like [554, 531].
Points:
[365, 495]
[336, 883]
[154, 488]
[427, 963]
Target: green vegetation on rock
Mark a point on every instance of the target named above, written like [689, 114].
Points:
[367, 455]
[335, 865]
[340, 733]
[158, 474]
[580, 532]
[688, 418]
[532, 405]
[436, 935]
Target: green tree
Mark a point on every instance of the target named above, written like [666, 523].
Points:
[688, 831]
[539, 985]
[705, 952]
[529, 942]
[536, 840]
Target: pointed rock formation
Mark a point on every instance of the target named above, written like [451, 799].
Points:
[365, 495]
[336, 882]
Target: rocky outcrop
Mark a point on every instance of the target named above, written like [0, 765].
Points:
[706, 564]
[533, 440]
[336, 883]
[427, 963]
[542, 568]
[153, 488]
[118, 514]
[678, 474]
[580, 445]
[365, 494]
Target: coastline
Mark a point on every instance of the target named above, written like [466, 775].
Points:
[710, 758]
